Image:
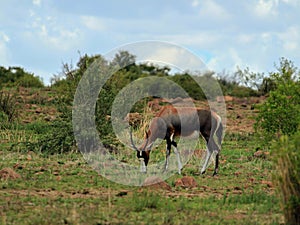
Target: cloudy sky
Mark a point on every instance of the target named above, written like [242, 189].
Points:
[41, 34]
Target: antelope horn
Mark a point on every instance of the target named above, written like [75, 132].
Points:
[132, 144]
[146, 141]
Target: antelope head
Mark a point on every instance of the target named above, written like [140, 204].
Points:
[157, 129]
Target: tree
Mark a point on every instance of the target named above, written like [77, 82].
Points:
[123, 59]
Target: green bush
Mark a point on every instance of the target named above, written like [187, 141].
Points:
[12, 76]
[29, 80]
[280, 113]
[57, 138]
[286, 157]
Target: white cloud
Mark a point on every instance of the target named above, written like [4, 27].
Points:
[252, 33]
[165, 53]
[210, 9]
[176, 57]
[195, 3]
[4, 37]
[245, 38]
[266, 8]
[4, 50]
[36, 2]
[290, 38]
[201, 39]
[229, 59]
[93, 23]
[291, 2]
[60, 38]
[52, 33]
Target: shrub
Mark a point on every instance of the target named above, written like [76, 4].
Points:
[286, 157]
[11, 76]
[29, 80]
[280, 114]
[56, 139]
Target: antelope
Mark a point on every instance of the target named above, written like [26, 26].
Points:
[171, 122]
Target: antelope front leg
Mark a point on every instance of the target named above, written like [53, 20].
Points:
[178, 160]
[143, 167]
[168, 152]
[208, 155]
[167, 159]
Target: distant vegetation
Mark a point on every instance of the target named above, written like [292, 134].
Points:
[17, 76]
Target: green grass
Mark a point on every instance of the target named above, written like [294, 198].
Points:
[64, 189]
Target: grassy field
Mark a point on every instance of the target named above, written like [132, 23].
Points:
[63, 189]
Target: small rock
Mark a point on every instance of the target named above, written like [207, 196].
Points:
[156, 183]
[186, 182]
[38, 110]
[227, 98]
[8, 173]
[268, 183]
[261, 154]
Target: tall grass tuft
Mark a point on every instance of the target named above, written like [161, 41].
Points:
[8, 105]
[286, 156]
[145, 200]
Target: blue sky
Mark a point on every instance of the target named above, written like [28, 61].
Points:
[41, 34]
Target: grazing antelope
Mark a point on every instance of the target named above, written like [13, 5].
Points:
[172, 122]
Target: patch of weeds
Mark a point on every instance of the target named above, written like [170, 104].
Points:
[145, 200]
[8, 106]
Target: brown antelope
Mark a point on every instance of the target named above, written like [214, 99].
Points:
[172, 122]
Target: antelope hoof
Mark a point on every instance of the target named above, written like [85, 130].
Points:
[203, 172]
[165, 170]
[143, 170]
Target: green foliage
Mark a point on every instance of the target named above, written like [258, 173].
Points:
[280, 114]
[54, 138]
[286, 157]
[250, 79]
[236, 85]
[17, 76]
[123, 59]
[189, 85]
[268, 85]
[145, 200]
[240, 91]
[29, 80]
